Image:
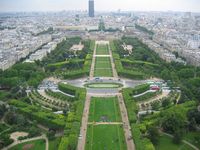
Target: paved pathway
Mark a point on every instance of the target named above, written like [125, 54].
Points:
[28, 140]
[149, 91]
[126, 126]
[105, 123]
[83, 130]
[93, 63]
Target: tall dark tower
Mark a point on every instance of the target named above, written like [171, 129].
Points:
[91, 8]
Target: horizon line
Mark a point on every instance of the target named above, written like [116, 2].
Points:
[99, 11]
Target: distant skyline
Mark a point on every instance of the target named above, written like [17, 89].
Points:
[100, 5]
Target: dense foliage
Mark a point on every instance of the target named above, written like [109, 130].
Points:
[141, 28]
[22, 74]
[67, 63]
[38, 109]
[141, 142]
[145, 61]
[44, 117]
[72, 127]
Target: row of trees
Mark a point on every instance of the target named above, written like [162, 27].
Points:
[172, 119]
[72, 128]
[141, 142]
[141, 28]
[44, 117]
[22, 74]
[60, 96]
[176, 120]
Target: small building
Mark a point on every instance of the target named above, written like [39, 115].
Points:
[78, 47]
[154, 87]
[128, 48]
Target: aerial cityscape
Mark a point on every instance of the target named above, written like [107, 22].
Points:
[99, 75]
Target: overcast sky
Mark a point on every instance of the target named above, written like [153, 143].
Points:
[108, 5]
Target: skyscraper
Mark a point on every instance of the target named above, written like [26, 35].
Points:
[91, 8]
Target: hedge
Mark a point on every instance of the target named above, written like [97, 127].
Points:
[147, 96]
[60, 96]
[126, 73]
[75, 74]
[44, 117]
[131, 74]
[72, 127]
[141, 143]
[130, 105]
[129, 62]
[140, 89]
[66, 88]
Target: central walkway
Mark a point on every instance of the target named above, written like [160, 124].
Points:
[122, 108]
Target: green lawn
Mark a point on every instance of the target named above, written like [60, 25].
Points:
[103, 67]
[166, 143]
[104, 109]
[102, 50]
[105, 137]
[103, 85]
[33, 145]
[53, 144]
[103, 62]
[4, 95]
[193, 138]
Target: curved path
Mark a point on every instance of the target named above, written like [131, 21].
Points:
[28, 140]
[184, 141]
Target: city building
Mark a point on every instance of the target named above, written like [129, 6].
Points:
[91, 8]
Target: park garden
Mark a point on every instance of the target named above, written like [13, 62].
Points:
[177, 119]
[26, 112]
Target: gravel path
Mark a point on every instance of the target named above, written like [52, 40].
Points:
[83, 130]
[28, 140]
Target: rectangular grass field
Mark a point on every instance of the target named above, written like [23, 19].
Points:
[105, 137]
[104, 110]
[102, 49]
[103, 67]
